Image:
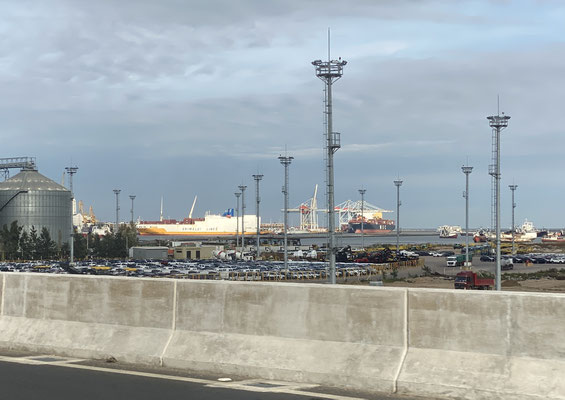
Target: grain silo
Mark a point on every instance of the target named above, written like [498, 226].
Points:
[35, 200]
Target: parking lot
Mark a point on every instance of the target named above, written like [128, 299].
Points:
[204, 269]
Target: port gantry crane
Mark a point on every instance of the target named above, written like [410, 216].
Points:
[346, 211]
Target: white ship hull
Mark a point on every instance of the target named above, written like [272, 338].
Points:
[214, 225]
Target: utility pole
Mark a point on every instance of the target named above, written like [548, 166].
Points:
[242, 188]
[398, 183]
[329, 72]
[237, 194]
[497, 123]
[467, 171]
[132, 197]
[362, 192]
[285, 161]
[257, 178]
[513, 188]
[117, 193]
[71, 171]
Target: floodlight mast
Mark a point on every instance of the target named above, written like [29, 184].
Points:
[467, 171]
[257, 178]
[497, 123]
[513, 188]
[362, 193]
[285, 161]
[71, 171]
[329, 72]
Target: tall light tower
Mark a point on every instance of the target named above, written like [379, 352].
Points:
[132, 197]
[329, 72]
[242, 188]
[513, 188]
[257, 178]
[237, 194]
[362, 193]
[467, 171]
[497, 123]
[71, 171]
[117, 193]
[398, 183]
[285, 161]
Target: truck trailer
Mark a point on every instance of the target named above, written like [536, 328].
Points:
[469, 280]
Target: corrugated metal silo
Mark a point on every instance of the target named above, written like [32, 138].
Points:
[35, 200]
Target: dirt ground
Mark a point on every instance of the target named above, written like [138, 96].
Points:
[531, 285]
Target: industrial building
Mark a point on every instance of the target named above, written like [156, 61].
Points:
[32, 199]
[194, 252]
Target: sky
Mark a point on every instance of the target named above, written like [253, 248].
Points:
[188, 98]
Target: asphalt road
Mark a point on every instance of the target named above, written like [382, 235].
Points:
[439, 264]
[27, 378]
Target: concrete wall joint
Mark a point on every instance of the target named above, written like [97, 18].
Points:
[173, 324]
[3, 294]
[406, 343]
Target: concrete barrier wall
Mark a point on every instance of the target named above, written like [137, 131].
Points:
[86, 316]
[485, 345]
[443, 343]
[290, 331]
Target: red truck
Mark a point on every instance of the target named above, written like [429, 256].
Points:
[469, 280]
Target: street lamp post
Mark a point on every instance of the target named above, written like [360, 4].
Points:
[513, 188]
[257, 178]
[132, 197]
[285, 161]
[237, 194]
[71, 171]
[362, 192]
[117, 193]
[398, 183]
[242, 188]
[467, 171]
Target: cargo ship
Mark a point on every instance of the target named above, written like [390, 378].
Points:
[375, 224]
[212, 224]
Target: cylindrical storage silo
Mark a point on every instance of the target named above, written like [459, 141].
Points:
[35, 200]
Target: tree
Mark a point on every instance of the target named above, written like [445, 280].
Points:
[26, 246]
[46, 247]
[79, 246]
[10, 238]
[33, 242]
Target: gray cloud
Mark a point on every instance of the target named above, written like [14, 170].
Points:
[146, 94]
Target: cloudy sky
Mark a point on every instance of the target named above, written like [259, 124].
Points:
[181, 98]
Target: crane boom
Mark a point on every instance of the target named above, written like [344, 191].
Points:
[192, 208]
